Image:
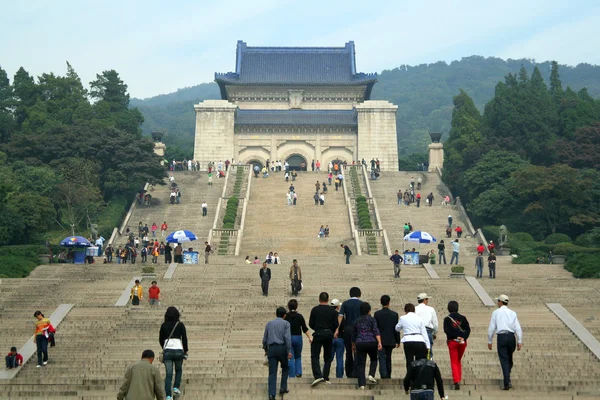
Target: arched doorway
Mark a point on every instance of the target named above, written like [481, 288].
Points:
[255, 163]
[297, 162]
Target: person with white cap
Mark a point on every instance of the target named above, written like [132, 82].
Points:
[429, 317]
[338, 342]
[415, 339]
[505, 325]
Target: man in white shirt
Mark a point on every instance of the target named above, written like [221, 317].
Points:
[505, 325]
[204, 209]
[100, 243]
[455, 250]
[429, 317]
[414, 338]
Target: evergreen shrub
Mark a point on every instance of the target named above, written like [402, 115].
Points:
[556, 238]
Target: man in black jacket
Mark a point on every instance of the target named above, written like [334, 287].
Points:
[324, 321]
[265, 277]
[390, 338]
[420, 379]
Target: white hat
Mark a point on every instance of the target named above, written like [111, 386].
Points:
[423, 296]
[503, 298]
[334, 303]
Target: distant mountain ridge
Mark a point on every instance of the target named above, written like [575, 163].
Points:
[423, 94]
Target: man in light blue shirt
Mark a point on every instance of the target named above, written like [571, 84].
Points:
[277, 343]
[455, 250]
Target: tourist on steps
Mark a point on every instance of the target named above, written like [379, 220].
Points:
[277, 344]
[136, 293]
[297, 328]
[457, 331]
[324, 322]
[505, 324]
[442, 251]
[390, 338]
[349, 312]
[43, 330]
[430, 199]
[295, 278]
[366, 340]
[142, 380]
[347, 252]
[429, 317]
[338, 342]
[455, 251]
[13, 359]
[421, 377]
[396, 259]
[173, 340]
[265, 277]
[414, 338]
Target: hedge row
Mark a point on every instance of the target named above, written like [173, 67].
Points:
[362, 210]
[230, 212]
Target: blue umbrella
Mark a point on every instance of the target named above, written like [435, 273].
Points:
[75, 241]
[420, 237]
[181, 236]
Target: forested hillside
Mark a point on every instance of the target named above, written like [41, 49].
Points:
[531, 162]
[69, 157]
[423, 94]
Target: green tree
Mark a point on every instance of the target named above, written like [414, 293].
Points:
[493, 169]
[583, 150]
[560, 195]
[464, 145]
[6, 106]
[26, 94]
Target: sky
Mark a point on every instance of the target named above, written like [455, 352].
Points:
[158, 46]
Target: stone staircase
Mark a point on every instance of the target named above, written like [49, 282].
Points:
[433, 220]
[272, 225]
[186, 215]
[225, 314]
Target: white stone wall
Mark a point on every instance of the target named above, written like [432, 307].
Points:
[377, 133]
[214, 139]
[436, 156]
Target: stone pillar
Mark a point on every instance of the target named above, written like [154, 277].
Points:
[436, 156]
[377, 133]
[318, 152]
[159, 149]
[214, 141]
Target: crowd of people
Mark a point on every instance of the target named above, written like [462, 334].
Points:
[350, 331]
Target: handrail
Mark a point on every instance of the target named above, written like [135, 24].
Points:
[113, 236]
[238, 242]
[350, 216]
[130, 212]
[218, 210]
[386, 243]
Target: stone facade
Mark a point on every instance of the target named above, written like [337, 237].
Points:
[306, 102]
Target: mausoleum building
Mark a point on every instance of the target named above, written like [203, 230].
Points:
[296, 104]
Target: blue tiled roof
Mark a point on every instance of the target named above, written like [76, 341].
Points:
[295, 66]
[340, 118]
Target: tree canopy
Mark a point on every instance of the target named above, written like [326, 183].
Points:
[65, 152]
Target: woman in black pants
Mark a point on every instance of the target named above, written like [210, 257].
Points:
[173, 340]
[366, 339]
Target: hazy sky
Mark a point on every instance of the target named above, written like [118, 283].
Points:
[160, 46]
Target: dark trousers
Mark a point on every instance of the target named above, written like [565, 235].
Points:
[277, 354]
[264, 284]
[347, 258]
[168, 258]
[204, 211]
[325, 341]
[179, 258]
[41, 342]
[506, 347]
[492, 271]
[422, 394]
[362, 349]
[414, 351]
[349, 365]
[385, 362]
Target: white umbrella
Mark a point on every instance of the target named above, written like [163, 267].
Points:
[419, 237]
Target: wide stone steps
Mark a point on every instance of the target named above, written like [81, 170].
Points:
[272, 225]
[186, 215]
[224, 312]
